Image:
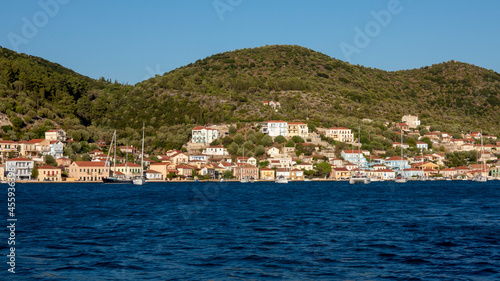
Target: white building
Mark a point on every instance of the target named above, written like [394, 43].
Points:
[340, 134]
[297, 129]
[204, 135]
[56, 149]
[21, 167]
[55, 135]
[215, 150]
[411, 121]
[275, 128]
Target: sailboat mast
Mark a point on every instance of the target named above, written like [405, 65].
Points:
[402, 155]
[114, 158]
[142, 152]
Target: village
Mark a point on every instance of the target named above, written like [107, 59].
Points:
[205, 158]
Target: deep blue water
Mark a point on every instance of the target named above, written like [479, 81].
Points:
[260, 231]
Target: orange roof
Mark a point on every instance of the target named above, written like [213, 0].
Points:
[47, 167]
[351, 151]
[128, 165]
[297, 123]
[89, 164]
[152, 172]
[339, 128]
[276, 121]
[19, 159]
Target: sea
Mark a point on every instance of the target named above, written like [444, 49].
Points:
[318, 230]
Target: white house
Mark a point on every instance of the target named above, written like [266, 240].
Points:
[204, 135]
[215, 150]
[275, 128]
[272, 152]
[21, 167]
[153, 175]
[412, 121]
[355, 157]
[203, 158]
[56, 149]
[422, 145]
[340, 134]
[55, 135]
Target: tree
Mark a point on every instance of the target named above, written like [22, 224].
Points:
[34, 172]
[215, 142]
[239, 139]
[49, 160]
[232, 130]
[260, 150]
[324, 168]
[280, 139]
[267, 140]
[297, 139]
[290, 143]
[17, 122]
[228, 174]
[233, 148]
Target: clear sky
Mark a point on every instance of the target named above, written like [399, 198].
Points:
[130, 41]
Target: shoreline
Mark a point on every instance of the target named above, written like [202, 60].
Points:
[228, 181]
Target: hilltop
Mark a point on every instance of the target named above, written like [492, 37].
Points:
[230, 87]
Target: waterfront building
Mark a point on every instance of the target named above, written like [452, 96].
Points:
[22, 168]
[88, 171]
[49, 173]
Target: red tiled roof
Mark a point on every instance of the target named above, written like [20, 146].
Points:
[47, 167]
[19, 159]
[89, 164]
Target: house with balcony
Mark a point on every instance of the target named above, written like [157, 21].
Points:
[21, 167]
[354, 157]
[215, 150]
[245, 171]
[267, 174]
[396, 163]
[340, 134]
[275, 128]
[299, 129]
[49, 173]
[56, 149]
[204, 135]
[55, 135]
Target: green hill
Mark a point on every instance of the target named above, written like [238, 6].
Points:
[231, 86]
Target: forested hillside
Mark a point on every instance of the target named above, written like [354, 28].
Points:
[229, 87]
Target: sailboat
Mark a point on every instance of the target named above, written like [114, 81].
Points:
[112, 178]
[400, 178]
[480, 177]
[141, 180]
[359, 177]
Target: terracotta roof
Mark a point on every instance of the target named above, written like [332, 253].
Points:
[351, 151]
[128, 165]
[276, 121]
[339, 128]
[266, 169]
[296, 123]
[19, 159]
[89, 164]
[47, 167]
[385, 171]
[394, 158]
[152, 172]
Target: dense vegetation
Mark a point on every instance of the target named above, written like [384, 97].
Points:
[229, 87]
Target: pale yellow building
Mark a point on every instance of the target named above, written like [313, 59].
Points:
[88, 170]
[49, 173]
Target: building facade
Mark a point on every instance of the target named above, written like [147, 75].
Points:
[21, 167]
[88, 171]
[340, 134]
[297, 129]
[204, 135]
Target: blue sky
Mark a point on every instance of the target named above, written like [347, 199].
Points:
[130, 41]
